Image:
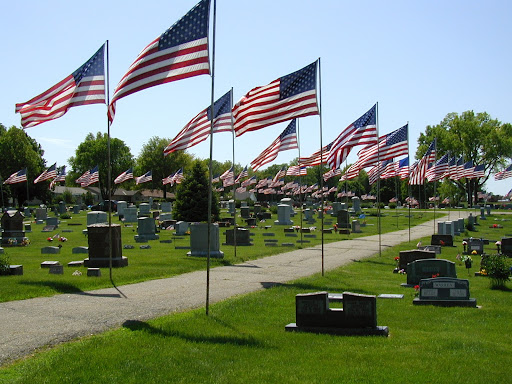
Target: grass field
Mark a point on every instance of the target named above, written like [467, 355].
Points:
[162, 260]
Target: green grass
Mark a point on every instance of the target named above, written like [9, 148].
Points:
[243, 340]
[161, 261]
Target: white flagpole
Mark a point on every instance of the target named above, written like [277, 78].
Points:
[210, 168]
[321, 161]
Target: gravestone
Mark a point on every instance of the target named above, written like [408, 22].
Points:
[98, 241]
[343, 219]
[426, 268]
[231, 207]
[41, 215]
[356, 204]
[462, 226]
[488, 209]
[336, 206]
[56, 269]
[251, 221]
[450, 230]
[283, 215]
[506, 246]
[289, 202]
[12, 228]
[130, 215]
[53, 221]
[199, 240]
[245, 212]
[146, 230]
[243, 237]
[475, 245]
[257, 209]
[356, 227]
[27, 212]
[357, 317]
[50, 250]
[433, 248]
[62, 207]
[166, 206]
[181, 228]
[243, 204]
[165, 216]
[482, 214]
[144, 210]
[121, 206]
[445, 291]
[471, 222]
[407, 257]
[80, 250]
[76, 209]
[456, 229]
[308, 216]
[444, 240]
[96, 217]
[441, 228]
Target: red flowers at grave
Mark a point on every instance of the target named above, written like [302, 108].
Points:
[442, 243]
[416, 287]
[50, 239]
[397, 258]
[436, 275]
[63, 239]
[495, 225]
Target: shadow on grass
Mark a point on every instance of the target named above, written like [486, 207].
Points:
[136, 325]
[69, 288]
[311, 287]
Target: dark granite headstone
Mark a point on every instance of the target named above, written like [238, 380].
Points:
[445, 291]
[242, 237]
[407, 257]
[343, 219]
[506, 246]
[426, 268]
[444, 240]
[98, 241]
[475, 245]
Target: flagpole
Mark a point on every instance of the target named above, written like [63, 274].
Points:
[109, 175]
[234, 185]
[300, 184]
[408, 181]
[26, 174]
[210, 168]
[435, 188]
[2, 192]
[321, 161]
[378, 178]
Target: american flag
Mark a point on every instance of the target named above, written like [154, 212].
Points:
[506, 173]
[17, 177]
[467, 169]
[331, 173]
[450, 167]
[438, 170]
[228, 174]
[178, 177]
[360, 132]
[392, 145]
[296, 170]
[391, 170]
[179, 53]
[317, 158]
[216, 179]
[284, 99]
[375, 173]
[417, 175]
[198, 129]
[228, 181]
[84, 86]
[279, 174]
[90, 177]
[148, 176]
[49, 173]
[61, 176]
[126, 175]
[457, 169]
[286, 140]
[478, 171]
[249, 181]
[242, 174]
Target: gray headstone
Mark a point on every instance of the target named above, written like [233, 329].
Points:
[343, 219]
[50, 250]
[53, 221]
[409, 256]
[245, 212]
[144, 209]
[199, 240]
[166, 206]
[130, 215]
[41, 214]
[121, 206]
[96, 217]
[424, 269]
[283, 215]
[356, 226]
[146, 230]
[445, 291]
[356, 204]
[242, 237]
[181, 227]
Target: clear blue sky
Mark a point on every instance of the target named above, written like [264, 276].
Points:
[420, 60]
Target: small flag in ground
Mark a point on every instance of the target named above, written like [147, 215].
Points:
[84, 86]
[17, 177]
[126, 175]
[148, 176]
[284, 99]
[49, 173]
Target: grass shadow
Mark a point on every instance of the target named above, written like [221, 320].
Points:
[55, 285]
[245, 341]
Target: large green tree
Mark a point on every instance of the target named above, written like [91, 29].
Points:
[192, 196]
[18, 151]
[474, 136]
[93, 151]
[151, 158]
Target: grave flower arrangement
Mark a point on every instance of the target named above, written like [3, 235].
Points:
[416, 290]
[397, 260]
[464, 244]
[498, 246]
[50, 239]
[468, 260]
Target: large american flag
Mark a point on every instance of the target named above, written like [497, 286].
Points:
[363, 131]
[148, 176]
[391, 170]
[17, 177]
[126, 175]
[48, 174]
[179, 53]
[417, 175]
[438, 170]
[317, 158]
[198, 129]
[286, 140]
[506, 173]
[284, 99]
[392, 145]
[84, 86]
[90, 177]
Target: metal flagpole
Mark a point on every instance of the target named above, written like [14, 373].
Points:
[435, 186]
[321, 161]
[234, 185]
[210, 169]
[378, 179]
[109, 175]
[26, 174]
[300, 184]
[408, 181]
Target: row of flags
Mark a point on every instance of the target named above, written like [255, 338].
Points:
[49, 174]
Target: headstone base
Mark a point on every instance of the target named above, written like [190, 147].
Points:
[216, 254]
[99, 262]
[376, 331]
[446, 303]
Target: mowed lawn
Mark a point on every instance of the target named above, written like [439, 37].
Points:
[243, 339]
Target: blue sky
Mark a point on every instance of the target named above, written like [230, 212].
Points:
[420, 60]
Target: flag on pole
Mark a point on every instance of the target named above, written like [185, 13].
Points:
[457, 170]
[61, 176]
[390, 170]
[148, 176]
[83, 87]
[178, 176]
[126, 175]
[286, 140]
[198, 129]
[179, 53]
[316, 158]
[249, 181]
[48, 174]
[403, 168]
[450, 169]
[331, 173]
[17, 177]
[284, 99]
[478, 171]
[505, 174]
[438, 170]
[242, 174]
[467, 169]
[360, 132]
[89, 177]
[375, 173]
[296, 170]
[228, 174]
[417, 176]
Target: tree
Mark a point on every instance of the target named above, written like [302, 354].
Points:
[93, 151]
[151, 158]
[192, 196]
[475, 137]
[18, 151]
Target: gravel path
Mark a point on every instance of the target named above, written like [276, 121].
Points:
[27, 325]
